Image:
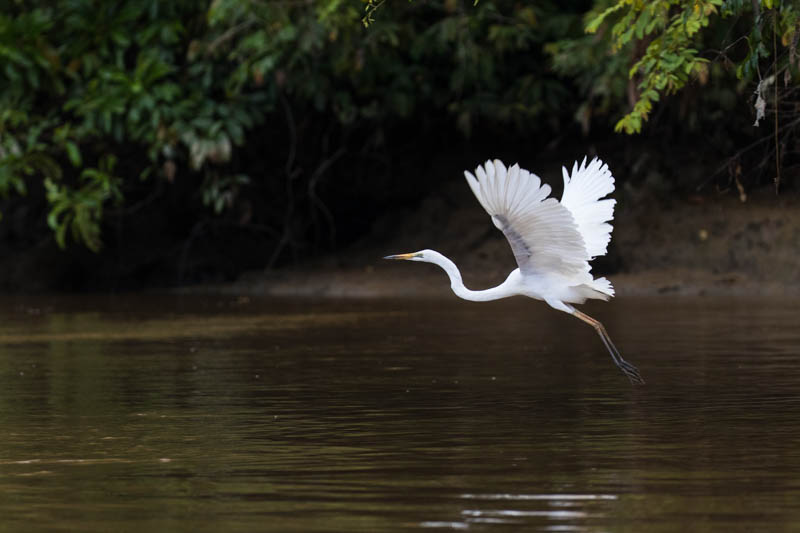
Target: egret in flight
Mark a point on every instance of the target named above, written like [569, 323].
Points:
[552, 241]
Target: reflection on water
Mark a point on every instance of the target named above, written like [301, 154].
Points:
[225, 414]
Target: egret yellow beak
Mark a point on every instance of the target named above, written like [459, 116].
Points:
[402, 256]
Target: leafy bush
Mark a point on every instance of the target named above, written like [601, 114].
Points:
[173, 88]
[670, 32]
[249, 108]
[84, 80]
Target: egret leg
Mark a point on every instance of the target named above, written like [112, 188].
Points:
[628, 369]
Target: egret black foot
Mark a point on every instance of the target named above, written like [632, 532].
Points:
[631, 371]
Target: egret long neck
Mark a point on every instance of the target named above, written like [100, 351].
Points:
[457, 284]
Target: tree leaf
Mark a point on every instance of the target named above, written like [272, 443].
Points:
[74, 153]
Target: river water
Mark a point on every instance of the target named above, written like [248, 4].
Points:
[177, 413]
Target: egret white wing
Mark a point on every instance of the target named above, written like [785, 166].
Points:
[583, 190]
[541, 231]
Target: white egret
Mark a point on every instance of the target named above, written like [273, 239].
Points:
[552, 241]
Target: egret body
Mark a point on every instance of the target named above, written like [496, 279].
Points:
[553, 242]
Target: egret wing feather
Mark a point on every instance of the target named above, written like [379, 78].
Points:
[583, 190]
[542, 232]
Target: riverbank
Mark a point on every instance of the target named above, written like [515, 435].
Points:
[664, 241]
[701, 245]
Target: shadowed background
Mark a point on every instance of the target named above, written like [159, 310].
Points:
[145, 144]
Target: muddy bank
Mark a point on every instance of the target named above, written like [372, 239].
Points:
[670, 243]
[696, 245]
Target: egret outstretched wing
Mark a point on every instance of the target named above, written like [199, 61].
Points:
[542, 232]
[583, 190]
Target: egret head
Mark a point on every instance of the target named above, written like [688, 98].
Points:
[414, 256]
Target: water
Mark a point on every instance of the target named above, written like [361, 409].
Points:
[225, 414]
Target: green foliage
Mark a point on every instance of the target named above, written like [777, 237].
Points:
[238, 103]
[69, 95]
[221, 191]
[22, 157]
[669, 59]
[482, 61]
[80, 209]
[663, 41]
[174, 88]
[370, 7]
